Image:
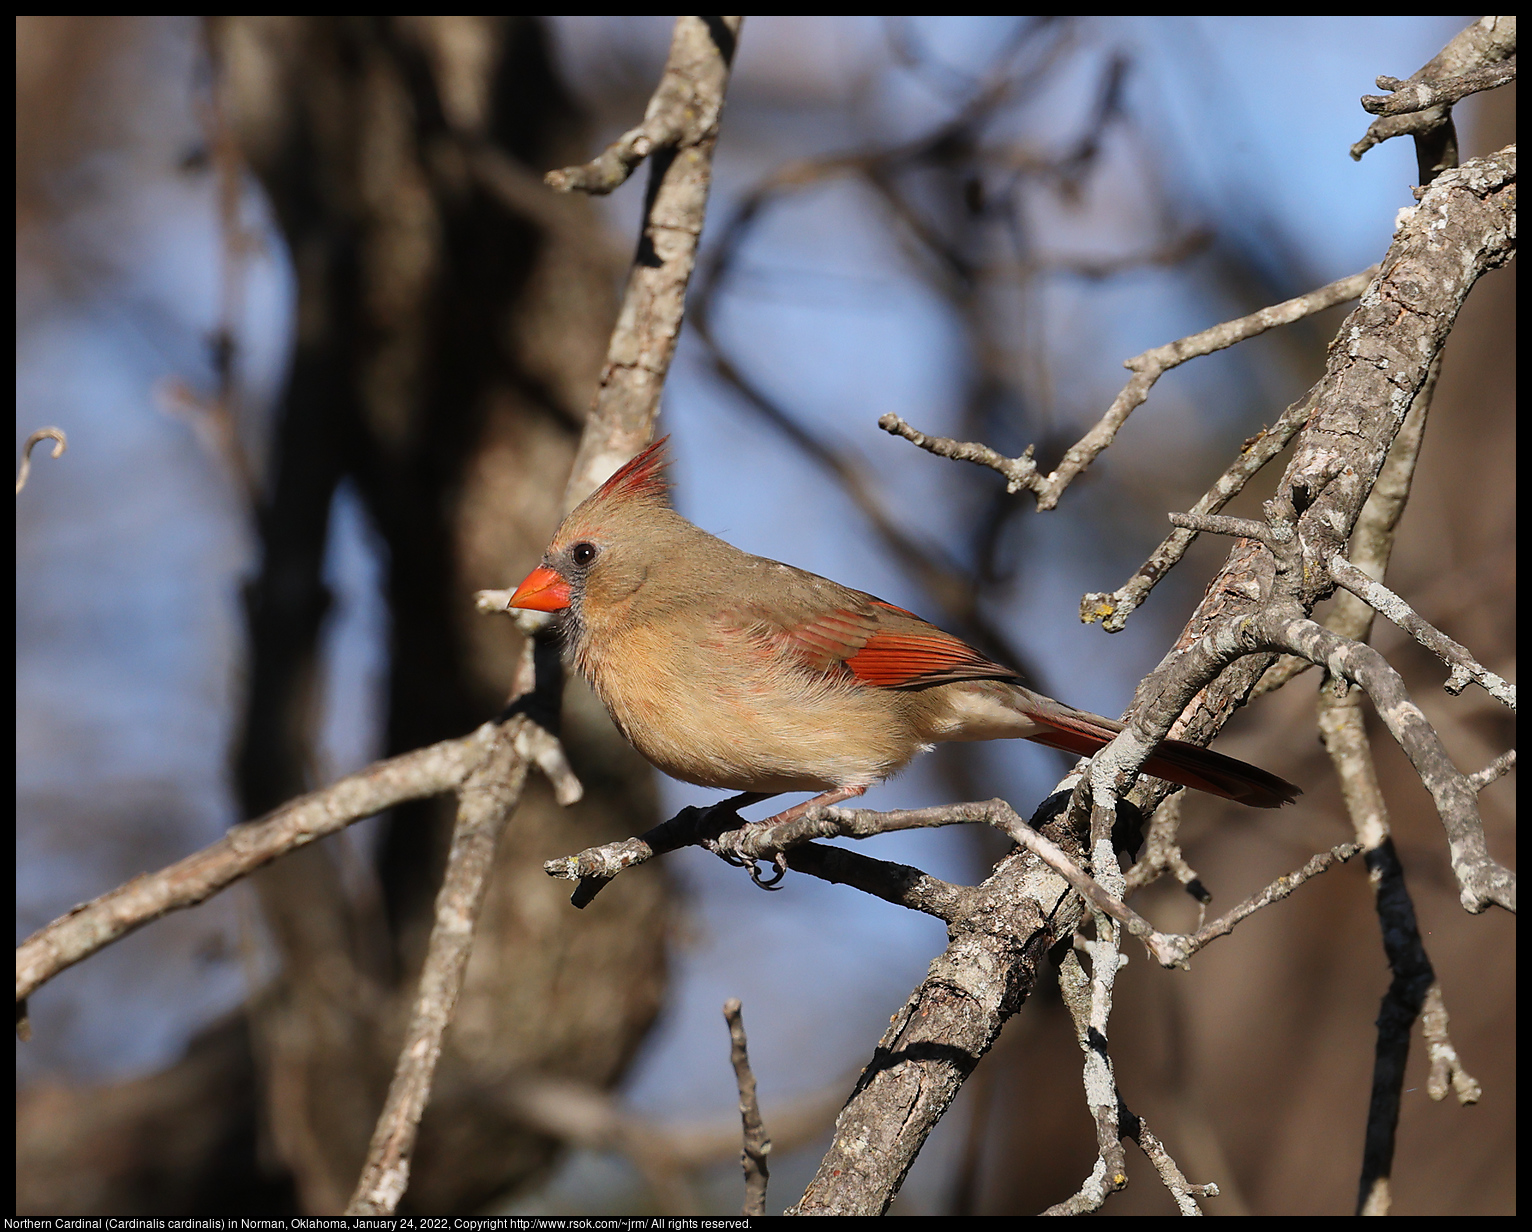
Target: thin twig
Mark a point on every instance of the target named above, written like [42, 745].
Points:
[685, 105]
[1412, 95]
[757, 1146]
[60, 443]
[1021, 472]
[1181, 1190]
[1481, 880]
[1502, 765]
[1189, 944]
[94, 925]
[485, 803]
[1446, 1070]
[1464, 666]
[1488, 41]
[1112, 608]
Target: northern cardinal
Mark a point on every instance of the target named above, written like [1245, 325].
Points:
[734, 671]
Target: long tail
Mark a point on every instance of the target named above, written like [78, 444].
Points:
[1077, 732]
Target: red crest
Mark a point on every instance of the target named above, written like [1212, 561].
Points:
[643, 478]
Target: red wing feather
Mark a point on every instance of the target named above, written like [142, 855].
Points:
[831, 638]
[912, 654]
[910, 660]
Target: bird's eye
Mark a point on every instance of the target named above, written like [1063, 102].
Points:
[583, 553]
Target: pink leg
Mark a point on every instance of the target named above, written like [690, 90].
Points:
[823, 800]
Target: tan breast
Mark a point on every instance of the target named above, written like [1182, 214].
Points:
[743, 714]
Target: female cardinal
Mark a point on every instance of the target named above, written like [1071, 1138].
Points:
[730, 670]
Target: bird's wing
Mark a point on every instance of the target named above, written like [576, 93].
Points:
[875, 643]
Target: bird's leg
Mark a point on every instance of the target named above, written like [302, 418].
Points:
[798, 810]
[820, 801]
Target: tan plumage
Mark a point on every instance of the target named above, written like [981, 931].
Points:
[730, 670]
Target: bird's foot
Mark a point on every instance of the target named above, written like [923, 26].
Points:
[786, 816]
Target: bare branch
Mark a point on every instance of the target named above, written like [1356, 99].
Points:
[757, 1144]
[934, 1041]
[1413, 95]
[94, 925]
[1464, 666]
[683, 110]
[486, 801]
[1109, 1174]
[1481, 879]
[60, 443]
[746, 843]
[1022, 472]
[1488, 41]
[690, 99]
[537, 745]
[1463, 227]
[1446, 1069]
[1097, 895]
[1088, 999]
[1113, 608]
[1183, 946]
[1019, 472]
[1181, 1190]
[1248, 528]
[1502, 765]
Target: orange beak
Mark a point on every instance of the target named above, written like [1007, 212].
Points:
[542, 590]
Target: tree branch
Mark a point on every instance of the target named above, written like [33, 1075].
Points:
[1488, 41]
[1412, 95]
[688, 104]
[1022, 473]
[485, 803]
[1481, 880]
[1464, 666]
[1464, 226]
[94, 925]
[683, 110]
[757, 1144]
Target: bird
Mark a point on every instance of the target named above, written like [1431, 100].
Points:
[733, 671]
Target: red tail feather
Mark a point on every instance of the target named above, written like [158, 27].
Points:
[1190, 765]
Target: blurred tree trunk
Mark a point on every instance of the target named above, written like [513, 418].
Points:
[447, 347]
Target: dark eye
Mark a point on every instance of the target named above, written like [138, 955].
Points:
[583, 553]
